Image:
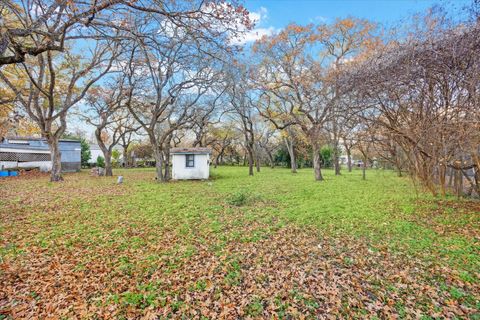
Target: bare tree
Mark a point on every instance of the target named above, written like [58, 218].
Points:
[32, 27]
[423, 95]
[206, 117]
[304, 88]
[243, 110]
[126, 139]
[57, 82]
[267, 140]
[106, 112]
[220, 138]
[289, 75]
[177, 68]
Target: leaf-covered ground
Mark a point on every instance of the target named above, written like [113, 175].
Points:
[275, 245]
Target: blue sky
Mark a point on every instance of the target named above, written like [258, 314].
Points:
[275, 14]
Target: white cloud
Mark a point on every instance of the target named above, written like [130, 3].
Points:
[255, 34]
[321, 19]
[258, 18]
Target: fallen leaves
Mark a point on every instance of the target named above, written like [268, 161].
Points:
[93, 253]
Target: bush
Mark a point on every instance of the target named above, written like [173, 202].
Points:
[116, 158]
[237, 199]
[86, 153]
[100, 162]
[326, 154]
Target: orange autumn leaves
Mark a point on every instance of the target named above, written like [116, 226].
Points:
[306, 33]
[11, 121]
[338, 38]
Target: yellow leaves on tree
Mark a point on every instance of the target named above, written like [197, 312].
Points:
[13, 117]
[12, 120]
[105, 137]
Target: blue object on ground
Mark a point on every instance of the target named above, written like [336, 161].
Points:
[13, 173]
[3, 173]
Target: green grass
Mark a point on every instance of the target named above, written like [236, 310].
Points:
[379, 208]
[153, 242]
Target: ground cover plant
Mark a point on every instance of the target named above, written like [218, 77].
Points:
[275, 245]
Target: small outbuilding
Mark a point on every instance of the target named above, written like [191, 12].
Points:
[190, 163]
[32, 152]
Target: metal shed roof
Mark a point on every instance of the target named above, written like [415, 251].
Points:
[27, 138]
[190, 151]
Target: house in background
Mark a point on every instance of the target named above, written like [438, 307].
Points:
[29, 152]
[96, 152]
[190, 163]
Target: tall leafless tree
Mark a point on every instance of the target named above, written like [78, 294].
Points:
[242, 108]
[56, 83]
[422, 94]
[107, 113]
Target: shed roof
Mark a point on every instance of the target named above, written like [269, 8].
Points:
[190, 151]
[4, 146]
[31, 138]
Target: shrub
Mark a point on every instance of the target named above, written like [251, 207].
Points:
[116, 158]
[237, 199]
[86, 154]
[326, 154]
[100, 162]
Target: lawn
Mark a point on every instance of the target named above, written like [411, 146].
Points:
[276, 245]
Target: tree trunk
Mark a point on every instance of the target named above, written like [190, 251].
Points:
[250, 161]
[317, 162]
[442, 172]
[399, 171]
[477, 180]
[349, 159]
[257, 162]
[337, 165]
[134, 162]
[450, 177]
[460, 179]
[125, 157]
[270, 158]
[108, 163]
[398, 162]
[291, 153]
[157, 153]
[336, 156]
[364, 168]
[56, 157]
[457, 182]
[293, 162]
[167, 174]
[107, 153]
[219, 158]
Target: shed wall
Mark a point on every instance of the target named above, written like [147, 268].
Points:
[37, 154]
[181, 172]
[71, 155]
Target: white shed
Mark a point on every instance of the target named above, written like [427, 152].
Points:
[190, 163]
